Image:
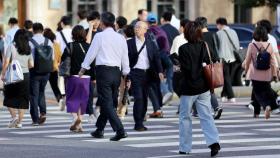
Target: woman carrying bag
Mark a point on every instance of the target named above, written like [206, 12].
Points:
[16, 95]
[77, 88]
[196, 91]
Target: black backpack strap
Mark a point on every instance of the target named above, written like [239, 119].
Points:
[267, 46]
[34, 43]
[257, 47]
[63, 37]
[46, 42]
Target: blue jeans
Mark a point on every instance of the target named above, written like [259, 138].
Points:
[37, 95]
[168, 66]
[203, 105]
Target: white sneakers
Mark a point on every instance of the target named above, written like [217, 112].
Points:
[167, 97]
[91, 119]
[13, 123]
[224, 100]
[61, 104]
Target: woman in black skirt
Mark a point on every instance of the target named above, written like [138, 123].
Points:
[16, 96]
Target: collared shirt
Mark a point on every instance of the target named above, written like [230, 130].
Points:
[67, 32]
[143, 60]
[10, 34]
[84, 23]
[40, 39]
[226, 48]
[177, 43]
[110, 49]
[175, 22]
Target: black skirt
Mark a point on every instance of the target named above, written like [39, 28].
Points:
[17, 95]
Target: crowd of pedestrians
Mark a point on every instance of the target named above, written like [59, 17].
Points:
[144, 59]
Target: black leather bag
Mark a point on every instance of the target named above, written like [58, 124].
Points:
[65, 65]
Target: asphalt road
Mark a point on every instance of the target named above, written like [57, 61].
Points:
[241, 136]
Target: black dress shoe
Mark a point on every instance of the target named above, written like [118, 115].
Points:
[215, 148]
[140, 129]
[218, 113]
[183, 153]
[119, 136]
[97, 134]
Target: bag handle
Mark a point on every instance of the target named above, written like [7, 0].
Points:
[81, 46]
[208, 51]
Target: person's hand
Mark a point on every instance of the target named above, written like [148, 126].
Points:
[128, 84]
[161, 76]
[94, 81]
[81, 72]
[2, 77]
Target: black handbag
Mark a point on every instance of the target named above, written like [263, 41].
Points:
[65, 65]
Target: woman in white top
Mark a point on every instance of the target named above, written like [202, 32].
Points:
[16, 96]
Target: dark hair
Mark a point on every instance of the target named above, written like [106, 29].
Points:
[172, 10]
[129, 31]
[193, 32]
[266, 24]
[222, 21]
[28, 24]
[13, 21]
[140, 11]
[184, 22]
[79, 34]
[121, 21]
[82, 14]
[59, 27]
[38, 28]
[48, 33]
[66, 20]
[202, 21]
[22, 42]
[167, 16]
[108, 19]
[260, 34]
[93, 15]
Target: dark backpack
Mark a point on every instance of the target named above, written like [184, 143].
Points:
[43, 57]
[262, 59]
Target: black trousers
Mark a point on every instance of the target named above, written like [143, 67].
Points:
[108, 82]
[262, 96]
[139, 89]
[54, 85]
[90, 110]
[229, 69]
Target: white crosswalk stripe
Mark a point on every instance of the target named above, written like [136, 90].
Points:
[164, 132]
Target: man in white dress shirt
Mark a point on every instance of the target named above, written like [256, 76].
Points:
[109, 49]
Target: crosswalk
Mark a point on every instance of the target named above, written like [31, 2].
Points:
[241, 135]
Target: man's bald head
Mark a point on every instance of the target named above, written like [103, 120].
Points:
[141, 29]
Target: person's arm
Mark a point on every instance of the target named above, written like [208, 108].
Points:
[248, 58]
[30, 62]
[6, 62]
[273, 63]
[125, 60]
[89, 33]
[91, 54]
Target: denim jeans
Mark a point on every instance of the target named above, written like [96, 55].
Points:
[167, 86]
[37, 95]
[203, 105]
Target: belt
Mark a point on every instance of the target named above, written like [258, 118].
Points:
[105, 66]
[142, 70]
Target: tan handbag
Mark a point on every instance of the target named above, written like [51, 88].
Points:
[213, 73]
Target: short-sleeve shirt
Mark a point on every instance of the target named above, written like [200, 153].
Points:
[23, 59]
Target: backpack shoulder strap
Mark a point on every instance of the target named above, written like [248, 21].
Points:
[34, 42]
[257, 47]
[46, 42]
[267, 46]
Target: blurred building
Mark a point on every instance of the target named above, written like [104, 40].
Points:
[49, 11]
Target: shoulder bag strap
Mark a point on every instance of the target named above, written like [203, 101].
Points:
[230, 40]
[142, 47]
[81, 46]
[46, 42]
[209, 54]
[63, 37]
